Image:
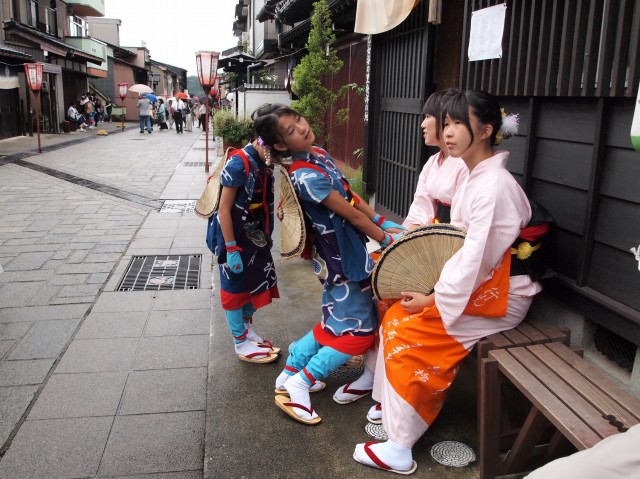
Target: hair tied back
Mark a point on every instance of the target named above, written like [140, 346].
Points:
[509, 127]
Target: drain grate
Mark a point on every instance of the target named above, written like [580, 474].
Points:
[376, 431]
[150, 273]
[183, 207]
[347, 373]
[192, 163]
[452, 453]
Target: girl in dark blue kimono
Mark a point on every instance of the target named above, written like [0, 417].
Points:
[339, 222]
[241, 241]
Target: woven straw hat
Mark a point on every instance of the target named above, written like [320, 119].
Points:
[415, 261]
[292, 230]
[208, 202]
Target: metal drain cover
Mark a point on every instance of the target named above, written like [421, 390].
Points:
[347, 373]
[182, 207]
[452, 453]
[151, 273]
[376, 431]
[193, 163]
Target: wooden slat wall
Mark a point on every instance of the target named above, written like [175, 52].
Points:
[403, 80]
[584, 170]
[588, 48]
[347, 137]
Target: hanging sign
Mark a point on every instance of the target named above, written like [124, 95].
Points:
[487, 29]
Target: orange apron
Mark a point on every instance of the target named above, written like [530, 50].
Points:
[421, 359]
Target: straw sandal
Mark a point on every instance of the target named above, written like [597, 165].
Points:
[259, 357]
[283, 403]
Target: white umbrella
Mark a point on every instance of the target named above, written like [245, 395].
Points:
[141, 88]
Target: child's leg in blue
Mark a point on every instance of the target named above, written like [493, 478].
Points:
[300, 353]
[239, 333]
[247, 313]
[236, 325]
[324, 363]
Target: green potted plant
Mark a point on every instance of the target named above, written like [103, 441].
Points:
[235, 132]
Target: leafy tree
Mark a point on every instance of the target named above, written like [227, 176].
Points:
[194, 87]
[315, 70]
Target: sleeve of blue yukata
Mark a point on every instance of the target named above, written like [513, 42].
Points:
[311, 185]
[233, 174]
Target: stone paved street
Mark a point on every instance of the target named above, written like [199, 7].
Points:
[97, 381]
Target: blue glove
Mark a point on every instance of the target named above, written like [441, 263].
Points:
[386, 224]
[388, 239]
[234, 260]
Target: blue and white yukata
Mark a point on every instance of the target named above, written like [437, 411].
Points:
[343, 266]
[252, 216]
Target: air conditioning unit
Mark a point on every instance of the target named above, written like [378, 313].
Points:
[45, 86]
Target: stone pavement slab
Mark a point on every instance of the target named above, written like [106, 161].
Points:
[166, 390]
[57, 448]
[23, 373]
[98, 355]
[168, 352]
[80, 395]
[154, 443]
[13, 403]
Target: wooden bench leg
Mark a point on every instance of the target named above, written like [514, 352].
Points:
[532, 429]
[489, 420]
[559, 446]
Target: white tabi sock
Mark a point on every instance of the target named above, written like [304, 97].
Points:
[248, 347]
[363, 383]
[393, 455]
[298, 390]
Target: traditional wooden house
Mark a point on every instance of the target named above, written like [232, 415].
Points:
[571, 70]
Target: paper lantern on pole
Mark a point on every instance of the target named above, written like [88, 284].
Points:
[33, 72]
[122, 92]
[207, 65]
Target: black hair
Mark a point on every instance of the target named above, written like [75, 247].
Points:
[265, 122]
[435, 104]
[483, 105]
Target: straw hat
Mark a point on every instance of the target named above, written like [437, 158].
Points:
[415, 261]
[292, 230]
[208, 202]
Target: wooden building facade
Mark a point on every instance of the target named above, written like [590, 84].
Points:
[571, 69]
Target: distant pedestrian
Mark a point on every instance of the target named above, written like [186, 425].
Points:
[188, 118]
[74, 115]
[144, 107]
[202, 118]
[178, 116]
[162, 115]
[109, 108]
[170, 110]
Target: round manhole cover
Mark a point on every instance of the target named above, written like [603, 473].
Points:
[452, 453]
[376, 431]
[346, 373]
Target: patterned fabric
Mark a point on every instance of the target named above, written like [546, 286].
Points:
[252, 228]
[339, 249]
[339, 258]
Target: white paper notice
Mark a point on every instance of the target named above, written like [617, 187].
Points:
[487, 28]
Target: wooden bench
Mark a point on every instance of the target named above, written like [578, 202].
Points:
[577, 402]
[530, 331]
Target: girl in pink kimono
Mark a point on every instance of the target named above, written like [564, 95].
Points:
[425, 337]
[438, 181]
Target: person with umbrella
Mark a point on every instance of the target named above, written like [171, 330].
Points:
[144, 106]
[176, 112]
